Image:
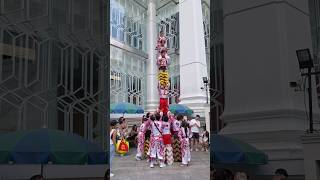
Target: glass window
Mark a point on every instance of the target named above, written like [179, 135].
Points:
[127, 23]
[121, 33]
[113, 25]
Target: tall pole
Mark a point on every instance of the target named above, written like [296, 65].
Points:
[310, 100]
[207, 93]
[152, 94]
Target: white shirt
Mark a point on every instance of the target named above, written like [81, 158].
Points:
[194, 124]
[154, 130]
[165, 127]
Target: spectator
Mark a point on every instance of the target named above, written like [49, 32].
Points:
[195, 125]
[132, 135]
[113, 134]
[204, 139]
[228, 174]
[224, 174]
[240, 176]
[37, 177]
[123, 130]
[280, 174]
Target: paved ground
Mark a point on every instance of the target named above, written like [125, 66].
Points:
[126, 167]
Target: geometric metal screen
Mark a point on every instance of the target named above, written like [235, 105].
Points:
[52, 66]
[127, 52]
[127, 77]
[128, 23]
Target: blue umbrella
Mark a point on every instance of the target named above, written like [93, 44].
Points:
[180, 109]
[227, 150]
[125, 108]
[41, 146]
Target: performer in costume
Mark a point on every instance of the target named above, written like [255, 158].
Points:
[184, 135]
[176, 123]
[163, 94]
[141, 138]
[162, 41]
[167, 140]
[163, 60]
[156, 141]
[147, 137]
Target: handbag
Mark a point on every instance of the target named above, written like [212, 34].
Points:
[122, 146]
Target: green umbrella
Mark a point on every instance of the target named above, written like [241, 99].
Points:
[180, 109]
[125, 108]
[41, 146]
[227, 150]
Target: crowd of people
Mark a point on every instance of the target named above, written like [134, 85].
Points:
[162, 138]
[226, 174]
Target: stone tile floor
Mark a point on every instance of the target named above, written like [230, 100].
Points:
[127, 168]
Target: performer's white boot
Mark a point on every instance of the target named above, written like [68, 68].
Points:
[162, 164]
[138, 158]
[151, 164]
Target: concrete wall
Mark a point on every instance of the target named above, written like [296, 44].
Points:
[260, 40]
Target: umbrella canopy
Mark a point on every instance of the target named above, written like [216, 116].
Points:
[126, 108]
[180, 109]
[226, 150]
[41, 146]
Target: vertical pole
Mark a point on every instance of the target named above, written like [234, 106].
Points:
[207, 93]
[310, 100]
[152, 102]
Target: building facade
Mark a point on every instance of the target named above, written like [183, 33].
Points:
[260, 39]
[52, 66]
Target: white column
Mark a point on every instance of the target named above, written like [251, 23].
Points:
[152, 91]
[260, 40]
[193, 64]
[311, 146]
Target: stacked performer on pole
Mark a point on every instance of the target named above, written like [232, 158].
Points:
[160, 138]
[163, 75]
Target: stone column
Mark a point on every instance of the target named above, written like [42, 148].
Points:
[193, 64]
[311, 145]
[260, 40]
[152, 91]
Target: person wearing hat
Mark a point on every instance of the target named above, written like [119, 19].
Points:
[113, 141]
[280, 174]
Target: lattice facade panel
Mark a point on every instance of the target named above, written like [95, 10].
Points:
[128, 23]
[127, 77]
[53, 66]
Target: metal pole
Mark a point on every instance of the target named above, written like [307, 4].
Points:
[207, 93]
[310, 101]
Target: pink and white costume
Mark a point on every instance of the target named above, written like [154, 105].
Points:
[161, 42]
[185, 145]
[141, 139]
[163, 91]
[163, 61]
[168, 152]
[156, 141]
[175, 126]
